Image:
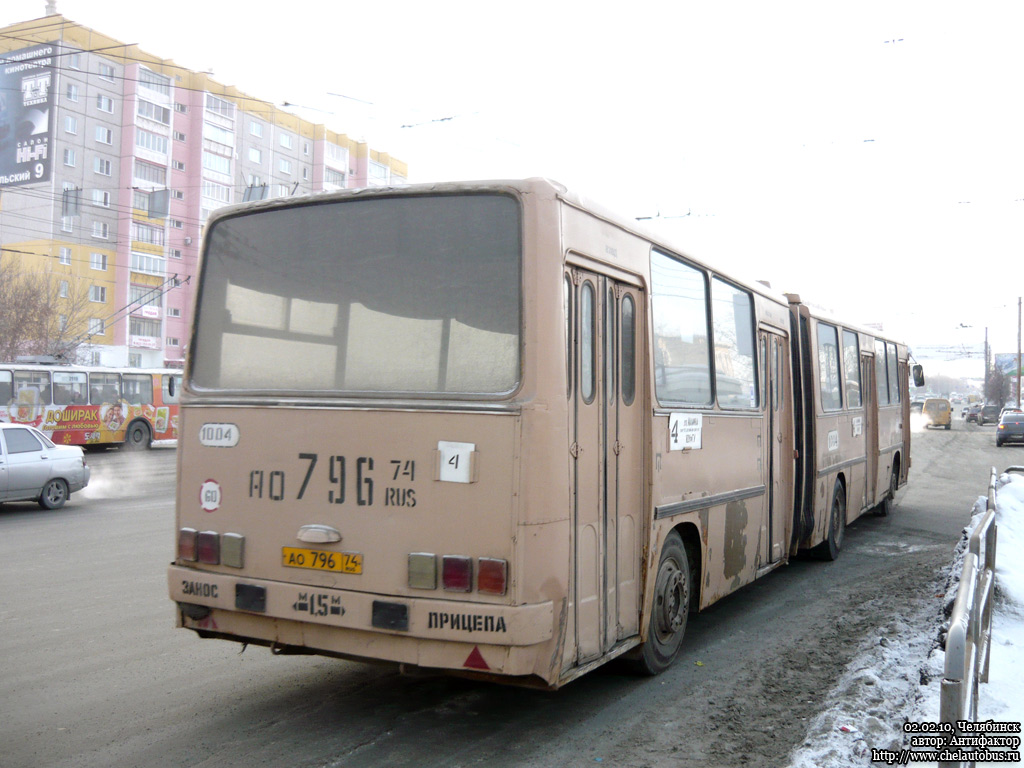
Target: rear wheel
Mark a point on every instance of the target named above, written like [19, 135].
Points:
[54, 494]
[672, 596]
[829, 548]
[137, 436]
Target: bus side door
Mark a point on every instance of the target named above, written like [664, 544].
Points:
[606, 446]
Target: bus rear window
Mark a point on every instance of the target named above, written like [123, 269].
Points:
[409, 295]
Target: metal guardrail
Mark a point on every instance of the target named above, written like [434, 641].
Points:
[970, 625]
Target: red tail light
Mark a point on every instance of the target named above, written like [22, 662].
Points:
[188, 544]
[492, 576]
[209, 547]
[457, 573]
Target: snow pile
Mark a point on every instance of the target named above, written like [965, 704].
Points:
[896, 677]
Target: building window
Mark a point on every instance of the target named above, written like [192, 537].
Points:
[96, 329]
[175, 253]
[106, 71]
[217, 163]
[177, 165]
[147, 234]
[173, 312]
[177, 194]
[144, 296]
[255, 155]
[180, 107]
[179, 136]
[151, 141]
[104, 103]
[74, 60]
[69, 157]
[256, 129]
[176, 224]
[104, 135]
[98, 261]
[286, 140]
[331, 176]
[155, 82]
[305, 174]
[65, 256]
[139, 326]
[154, 174]
[63, 289]
[154, 112]
[147, 264]
[216, 191]
[67, 224]
[172, 341]
[70, 124]
[101, 166]
[101, 198]
[98, 293]
[220, 107]
[284, 165]
[71, 92]
[101, 229]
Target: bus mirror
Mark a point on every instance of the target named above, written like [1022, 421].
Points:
[918, 376]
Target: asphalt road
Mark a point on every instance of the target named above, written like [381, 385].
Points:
[94, 673]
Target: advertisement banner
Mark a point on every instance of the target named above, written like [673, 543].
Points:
[28, 78]
[1006, 362]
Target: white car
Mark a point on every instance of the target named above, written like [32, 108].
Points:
[33, 468]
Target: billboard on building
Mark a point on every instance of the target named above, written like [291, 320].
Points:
[28, 78]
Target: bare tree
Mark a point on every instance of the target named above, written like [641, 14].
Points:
[41, 313]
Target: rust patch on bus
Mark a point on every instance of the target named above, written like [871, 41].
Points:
[735, 554]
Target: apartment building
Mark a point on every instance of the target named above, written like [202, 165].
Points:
[111, 161]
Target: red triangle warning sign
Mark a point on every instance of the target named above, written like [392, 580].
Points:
[475, 660]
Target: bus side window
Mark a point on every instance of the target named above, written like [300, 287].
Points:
[628, 363]
[6, 390]
[588, 357]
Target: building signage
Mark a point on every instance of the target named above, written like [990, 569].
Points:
[28, 79]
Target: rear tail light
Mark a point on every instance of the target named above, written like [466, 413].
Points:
[492, 575]
[457, 573]
[188, 544]
[422, 571]
[209, 547]
[232, 549]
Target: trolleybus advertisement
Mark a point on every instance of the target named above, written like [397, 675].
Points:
[27, 82]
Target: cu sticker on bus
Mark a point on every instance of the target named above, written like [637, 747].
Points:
[219, 435]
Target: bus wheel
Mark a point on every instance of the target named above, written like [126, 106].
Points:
[883, 509]
[672, 596]
[829, 548]
[54, 494]
[137, 436]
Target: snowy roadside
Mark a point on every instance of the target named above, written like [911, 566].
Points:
[896, 676]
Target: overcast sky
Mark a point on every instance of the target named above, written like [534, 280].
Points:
[866, 155]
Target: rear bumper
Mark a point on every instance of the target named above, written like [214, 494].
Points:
[446, 634]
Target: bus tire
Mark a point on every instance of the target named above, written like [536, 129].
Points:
[54, 494]
[833, 543]
[885, 508]
[673, 590]
[137, 436]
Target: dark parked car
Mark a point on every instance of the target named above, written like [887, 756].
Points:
[1011, 427]
[989, 414]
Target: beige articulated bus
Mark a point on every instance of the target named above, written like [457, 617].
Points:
[492, 429]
